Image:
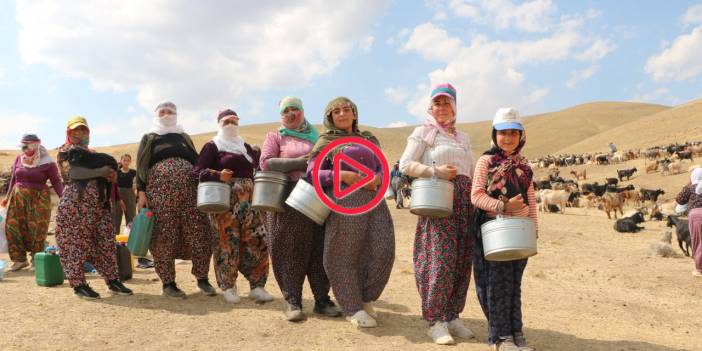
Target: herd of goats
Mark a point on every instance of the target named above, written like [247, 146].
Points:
[555, 193]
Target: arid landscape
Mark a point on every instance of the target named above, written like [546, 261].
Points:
[589, 288]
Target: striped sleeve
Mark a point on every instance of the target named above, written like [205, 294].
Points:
[478, 195]
[532, 207]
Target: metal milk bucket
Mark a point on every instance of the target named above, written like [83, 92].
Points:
[432, 197]
[304, 199]
[508, 238]
[213, 197]
[269, 191]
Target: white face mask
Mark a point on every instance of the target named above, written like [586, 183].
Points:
[168, 120]
[230, 131]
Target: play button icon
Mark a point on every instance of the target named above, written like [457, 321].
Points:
[367, 173]
[340, 190]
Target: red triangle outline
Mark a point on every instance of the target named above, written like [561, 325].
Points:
[368, 175]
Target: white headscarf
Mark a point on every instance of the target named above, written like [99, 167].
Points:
[228, 140]
[41, 159]
[168, 123]
[696, 180]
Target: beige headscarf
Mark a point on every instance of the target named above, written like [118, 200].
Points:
[331, 132]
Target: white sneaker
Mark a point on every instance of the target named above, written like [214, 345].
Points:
[457, 328]
[294, 313]
[439, 333]
[362, 320]
[368, 307]
[19, 265]
[231, 296]
[260, 295]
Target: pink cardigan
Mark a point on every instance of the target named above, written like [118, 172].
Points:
[278, 146]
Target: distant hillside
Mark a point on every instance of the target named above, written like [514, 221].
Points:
[586, 127]
[677, 124]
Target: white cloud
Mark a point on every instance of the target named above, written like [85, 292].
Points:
[529, 16]
[490, 73]
[432, 42]
[682, 60]
[597, 51]
[366, 44]
[581, 75]
[660, 95]
[396, 96]
[398, 124]
[199, 55]
[440, 16]
[399, 37]
[462, 8]
[14, 124]
[693, 15]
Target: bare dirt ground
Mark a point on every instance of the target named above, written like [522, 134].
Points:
[589, 288]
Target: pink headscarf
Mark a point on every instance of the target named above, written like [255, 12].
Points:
[431, 127]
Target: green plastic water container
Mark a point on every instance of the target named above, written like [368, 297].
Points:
[140, 233]
[48, 270]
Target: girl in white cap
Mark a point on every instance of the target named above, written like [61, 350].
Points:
[502, 184]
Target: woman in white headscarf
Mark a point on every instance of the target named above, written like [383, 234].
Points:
[691, 198]
[28, 201]
[241, 246]
[165, 183]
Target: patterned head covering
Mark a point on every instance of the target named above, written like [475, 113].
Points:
[331, 132]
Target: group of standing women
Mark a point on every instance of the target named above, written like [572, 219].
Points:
[350, 255]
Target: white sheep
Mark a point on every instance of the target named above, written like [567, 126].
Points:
[555, 197]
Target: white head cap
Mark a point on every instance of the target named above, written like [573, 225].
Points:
[507, 118]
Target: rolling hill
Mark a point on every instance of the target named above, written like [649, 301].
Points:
[582, 128]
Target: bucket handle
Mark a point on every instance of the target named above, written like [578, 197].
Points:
[433, 173]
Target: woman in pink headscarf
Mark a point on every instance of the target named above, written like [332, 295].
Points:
[442, 246]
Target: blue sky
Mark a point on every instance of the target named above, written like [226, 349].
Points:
[113, 61]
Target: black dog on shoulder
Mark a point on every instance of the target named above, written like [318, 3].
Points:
[82, 158]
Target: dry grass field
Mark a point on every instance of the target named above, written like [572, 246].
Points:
[589, 288]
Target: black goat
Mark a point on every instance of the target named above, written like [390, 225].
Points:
[629, 224]
[612, 181]
[594, 188]
[652, 195]
[625, 173]
[682, 231]
[685, 155]
[542, 184]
